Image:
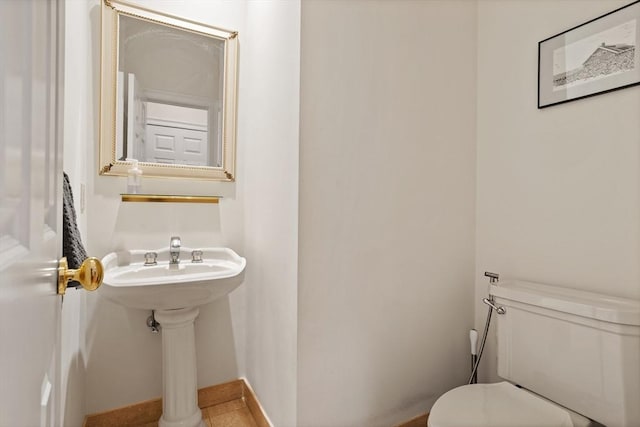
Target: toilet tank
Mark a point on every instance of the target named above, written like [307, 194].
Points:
[578, 349]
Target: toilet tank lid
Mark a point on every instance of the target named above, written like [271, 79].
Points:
[623, 311]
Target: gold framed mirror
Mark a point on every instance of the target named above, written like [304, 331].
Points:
[168, 95]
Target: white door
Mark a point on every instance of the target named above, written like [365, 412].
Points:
[30, 211]
[176, 145]
[177, 134]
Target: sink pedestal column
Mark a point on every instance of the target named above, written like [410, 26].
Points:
[179, 376]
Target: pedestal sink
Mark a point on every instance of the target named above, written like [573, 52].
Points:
[174, 291]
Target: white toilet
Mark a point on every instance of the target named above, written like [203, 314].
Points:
[575, 355]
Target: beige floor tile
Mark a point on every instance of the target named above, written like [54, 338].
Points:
[235, 418]
[215, 410]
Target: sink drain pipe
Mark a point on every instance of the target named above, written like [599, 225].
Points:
[152, 323]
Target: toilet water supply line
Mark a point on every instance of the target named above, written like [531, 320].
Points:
[473, 334]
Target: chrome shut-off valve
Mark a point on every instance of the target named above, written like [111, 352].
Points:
[493, 278]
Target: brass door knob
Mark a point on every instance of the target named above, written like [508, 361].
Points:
[89, 274]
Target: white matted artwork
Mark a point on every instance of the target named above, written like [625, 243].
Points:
[595, 57]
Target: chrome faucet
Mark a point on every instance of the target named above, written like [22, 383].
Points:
[174, 250]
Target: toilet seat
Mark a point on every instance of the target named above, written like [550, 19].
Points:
[499, 405]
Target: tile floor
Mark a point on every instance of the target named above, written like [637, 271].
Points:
[229, 414]
[417, 422]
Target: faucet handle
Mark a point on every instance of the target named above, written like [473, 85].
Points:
[196, 256]
[150, 258]
[175, 242]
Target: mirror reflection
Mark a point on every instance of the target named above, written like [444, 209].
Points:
[170, 86]
[168, 95]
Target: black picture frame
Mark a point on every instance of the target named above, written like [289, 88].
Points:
[590, 59]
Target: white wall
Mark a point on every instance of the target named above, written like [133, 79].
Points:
[387, 190]
[557, 191]
[270, 167]
[78, 129]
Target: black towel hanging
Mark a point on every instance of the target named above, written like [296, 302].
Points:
[72, 246]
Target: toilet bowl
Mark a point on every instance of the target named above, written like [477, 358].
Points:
[500, 405]
[575, 354]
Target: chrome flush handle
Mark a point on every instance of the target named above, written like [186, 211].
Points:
[490, 303]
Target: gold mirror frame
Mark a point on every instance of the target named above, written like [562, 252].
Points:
[109, 164]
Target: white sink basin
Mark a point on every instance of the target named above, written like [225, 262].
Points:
[127, 281]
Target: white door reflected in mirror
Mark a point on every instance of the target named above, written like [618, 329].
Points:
[177, 135]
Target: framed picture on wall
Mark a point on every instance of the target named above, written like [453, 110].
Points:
[595, 57]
